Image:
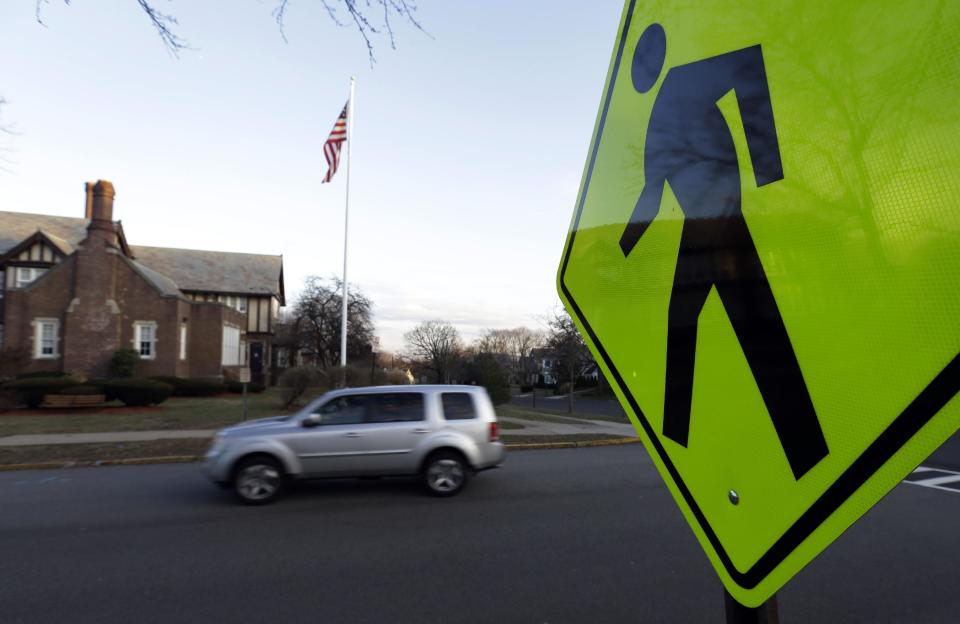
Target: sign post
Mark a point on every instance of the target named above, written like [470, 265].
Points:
[244, 377]
[764, 258]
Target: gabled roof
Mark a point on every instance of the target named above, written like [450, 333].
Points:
[216, 271]
[16, 226]
[169, 270]
[63, 247]
[162, 283]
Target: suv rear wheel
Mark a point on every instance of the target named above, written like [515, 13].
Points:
[258, 480]
[445, 473]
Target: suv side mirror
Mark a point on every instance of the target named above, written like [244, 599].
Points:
[312, 420]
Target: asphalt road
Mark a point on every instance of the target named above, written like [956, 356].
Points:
[579, 535]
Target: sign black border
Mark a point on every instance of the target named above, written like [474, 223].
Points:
[925, 406]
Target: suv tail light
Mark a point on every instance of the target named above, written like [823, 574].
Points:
[494, 432]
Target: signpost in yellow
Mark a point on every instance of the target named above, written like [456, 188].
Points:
[765, 260]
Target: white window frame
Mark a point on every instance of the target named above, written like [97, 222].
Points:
[242, 304]
[183, 341]
[138, 327]
[231, 354]
[38, 326]
[20, 281]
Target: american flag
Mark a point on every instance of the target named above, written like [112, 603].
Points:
[331, 149]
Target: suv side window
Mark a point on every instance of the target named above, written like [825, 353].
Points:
[349, 409]
[395, 407]
[458, 406]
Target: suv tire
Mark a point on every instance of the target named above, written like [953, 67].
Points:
[445, 473]
[258, 480]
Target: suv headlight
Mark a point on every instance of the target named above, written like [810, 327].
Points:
[218, 444]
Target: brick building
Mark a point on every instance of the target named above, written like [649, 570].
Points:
[73, 291]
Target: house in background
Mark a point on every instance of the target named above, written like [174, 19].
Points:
[73, 291]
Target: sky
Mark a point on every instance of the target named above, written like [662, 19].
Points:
[469, 141]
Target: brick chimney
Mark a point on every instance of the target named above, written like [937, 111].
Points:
[92, 320]
[88, 210]
[100, 207]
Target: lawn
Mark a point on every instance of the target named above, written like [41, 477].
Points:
[558, 415]
[175, 413]
[526, 413]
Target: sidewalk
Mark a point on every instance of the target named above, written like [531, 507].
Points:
[530, 427]
[103, 437]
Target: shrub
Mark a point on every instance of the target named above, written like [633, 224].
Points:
[193, 386]
[396, 377]
[138, 392]
[100, 384]
[84, 390]
[356, 377]
[526, 389]
[295, 381]
[42, 375]
[237, 388]
[124, 362]
[31, 391]
[484, 370]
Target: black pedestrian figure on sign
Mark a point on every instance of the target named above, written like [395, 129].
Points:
[689, 146]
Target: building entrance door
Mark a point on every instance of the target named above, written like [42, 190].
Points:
[256, 362]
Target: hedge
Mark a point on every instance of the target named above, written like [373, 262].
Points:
[137, 392]
[237, 387]
[84, 390]
[100, 384]
[193, 386]
[31, 391]
[42, 375]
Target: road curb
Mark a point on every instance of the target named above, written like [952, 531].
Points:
[537, 446]
[181, 459]
[132, 461]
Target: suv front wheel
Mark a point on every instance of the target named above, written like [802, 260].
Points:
[445, 473]
[258, 480]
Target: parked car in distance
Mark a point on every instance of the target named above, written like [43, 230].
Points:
[444, 434]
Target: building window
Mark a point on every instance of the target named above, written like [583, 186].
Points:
[183, 341]
[231, 345]
[237, 302]
[27, 275]
[145, 339]
[46, 336]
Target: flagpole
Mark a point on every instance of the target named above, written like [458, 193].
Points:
[346, 220]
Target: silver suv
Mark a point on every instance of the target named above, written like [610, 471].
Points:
[442, 433]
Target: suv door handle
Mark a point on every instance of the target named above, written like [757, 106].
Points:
[352, 434]
[421, 431]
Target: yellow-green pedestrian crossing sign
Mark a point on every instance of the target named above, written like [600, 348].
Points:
[764, 258]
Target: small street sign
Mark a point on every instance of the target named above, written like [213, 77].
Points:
[765, 260]
[244, 375]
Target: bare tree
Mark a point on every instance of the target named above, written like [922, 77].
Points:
[570, 350]
[437, 344]
[493, 341]
[317, 315]
[514, 346]
[369, 17]
[520, 342]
